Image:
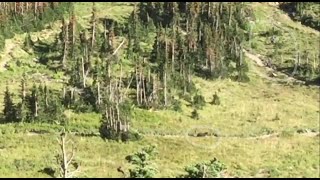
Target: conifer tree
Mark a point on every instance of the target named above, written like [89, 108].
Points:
[9, 111]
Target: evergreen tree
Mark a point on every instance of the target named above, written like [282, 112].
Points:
[143, 167]
[9, 111]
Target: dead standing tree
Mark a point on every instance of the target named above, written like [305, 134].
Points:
[64, 160]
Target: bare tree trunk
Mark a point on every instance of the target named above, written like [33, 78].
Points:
[72, 95]
[15, 7]
[154, 90]
[120, 80]
[141, 84]
[64, 166]
[35, 7]
[93, 26]
[22, 8]
[173, 51]
[64, 58]
[165, 72]
[137, 84]
[36, 105]
[209, 9]
[110, 117]
[64, 158]
[230, 14]
[73, 28]
[187, 23]
[99, 93]
[83, 73]
[165, 87]
[64, 93]
[204, 171]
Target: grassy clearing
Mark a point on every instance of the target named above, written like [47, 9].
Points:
[117, 11]
[21, 155]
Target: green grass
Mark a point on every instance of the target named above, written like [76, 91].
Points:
[246, 110]
[284, 157]
[294, 38]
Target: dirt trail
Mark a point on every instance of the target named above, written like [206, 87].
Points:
[257, 59]
[308, 134]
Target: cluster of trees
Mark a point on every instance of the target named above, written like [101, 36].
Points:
[306, 65]
[21, 17]
[37, 104]
[188, 38]
[305, 12]
[196, 38]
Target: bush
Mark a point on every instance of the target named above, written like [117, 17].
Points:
[195, 114]
[276, 118]
[111, 134]
[23, 164]
[143, 168]
[198, 102]
[215, 100]
[210, 169]
[176, 105]
[186, 97]
[131, 136]
[287, 133]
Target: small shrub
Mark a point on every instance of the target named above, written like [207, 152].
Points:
[215, 99]
[198, 102]
[195, 114]
[186, 97]
[266, 131]
[287, 133]
[176, 105]
[211, 169]
[23, 165]
[130, 136]
[143, 168]
[276, 118]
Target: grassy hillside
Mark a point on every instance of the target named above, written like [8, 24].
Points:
[258, 124]
[294, 45]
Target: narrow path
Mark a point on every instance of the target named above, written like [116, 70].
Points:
[308, 134]
[257, 59]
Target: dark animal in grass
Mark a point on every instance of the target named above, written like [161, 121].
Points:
[49, 171]
[215, 100]
[203, 134]
[119, 169]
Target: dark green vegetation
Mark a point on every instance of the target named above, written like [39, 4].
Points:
[305, 12]
[211, 169]
[158, 73]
